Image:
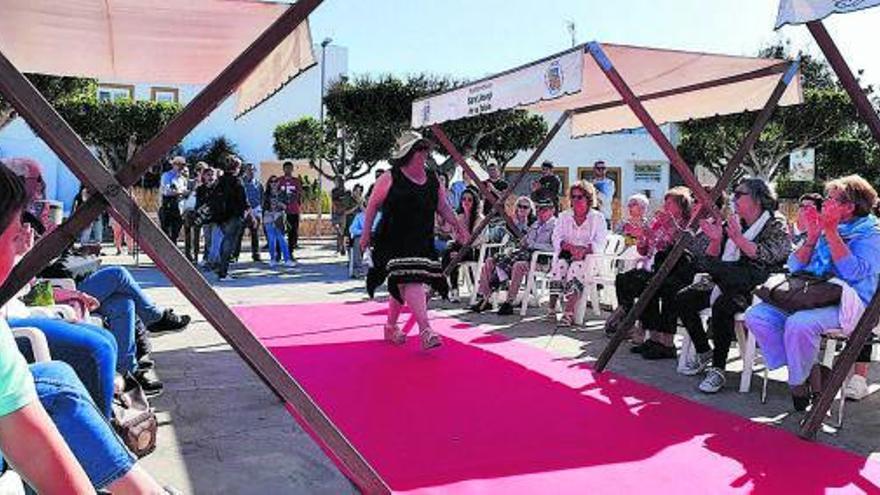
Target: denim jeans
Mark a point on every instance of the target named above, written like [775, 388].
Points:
[216, 244]
[122, 302]
[95, 445]
[94, 232]
[278, 246]
[91, 351]
[231, 231]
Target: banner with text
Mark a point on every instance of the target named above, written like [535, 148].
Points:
[545, 80]
[802, 11]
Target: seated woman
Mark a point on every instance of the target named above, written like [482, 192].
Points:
[636, 220]
[741, 254]
[514, 266]
[579, 231]
[658, 322]
[843, 242]
[469, 216]
[29, 439]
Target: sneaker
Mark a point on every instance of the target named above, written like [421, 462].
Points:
[394, 335]
[272, 263]
[481, 305]
[430, 339]
[505, 309]
[713, 382]
[697, 365]
[146, 362]
[290, 264]
[659, 351]
[169, 322]
[856, 388]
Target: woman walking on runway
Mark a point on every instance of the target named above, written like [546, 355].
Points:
[403, 252]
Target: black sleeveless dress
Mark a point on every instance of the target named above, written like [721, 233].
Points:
[403, 250]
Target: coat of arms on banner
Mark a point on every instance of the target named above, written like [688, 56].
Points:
[553, 78]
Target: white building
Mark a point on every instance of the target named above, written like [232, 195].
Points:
[252, 133]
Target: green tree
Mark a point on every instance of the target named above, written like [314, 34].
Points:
[826, 114]
[365, 116]
[116, 130]
[55, 89]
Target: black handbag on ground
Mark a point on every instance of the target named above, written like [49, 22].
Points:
[799, 291]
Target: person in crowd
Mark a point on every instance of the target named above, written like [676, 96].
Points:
[35, 213]
[342, 201]
[655, 239]
[356, 230]
[578, 232]
[37, 442]
[408, 197]
[191, 228]
[742, 253]
[121, 238]
[495, 185]
[842, 242]
[444, 232]
[205, 217]
[230, 209]
[293, 188]
[94, 233]
[253, 191]
[377, 172]
[514, 266]
[275, 219]
[636, 219]
[548, 186]
[173, 188]
[356, 205]
[605, 188]
[807, 202]
[468, 216]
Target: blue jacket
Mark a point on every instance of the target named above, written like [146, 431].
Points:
[357, 225]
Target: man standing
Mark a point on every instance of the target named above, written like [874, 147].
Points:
[547, 187]
[173, 187]
[605, 188]
[230, 208]
[253, 191]
[293, 188]
[495, 185]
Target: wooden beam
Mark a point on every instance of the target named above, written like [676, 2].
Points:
[498, 207]
[51, 245]
[58, 135]
[632, 101]
[459, 159]
[678, 249]
[860, 334]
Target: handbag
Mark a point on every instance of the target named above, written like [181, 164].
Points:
[799, 291]
[134, 420]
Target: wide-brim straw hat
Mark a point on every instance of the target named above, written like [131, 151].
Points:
[405, 143]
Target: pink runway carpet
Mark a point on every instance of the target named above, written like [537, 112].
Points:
[484, 414]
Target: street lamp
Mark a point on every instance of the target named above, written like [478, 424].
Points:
[324, 44]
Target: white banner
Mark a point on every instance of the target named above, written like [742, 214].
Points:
[544, 80]
[802, 11]
[802, 165]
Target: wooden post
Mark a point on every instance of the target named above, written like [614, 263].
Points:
[459, 159]
[51, 245]
[678, 249]
[66, 144]
[498, 207]
[869, 319]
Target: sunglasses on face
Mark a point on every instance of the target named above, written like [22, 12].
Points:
[522, 207]
[578, 197]
[739, 194]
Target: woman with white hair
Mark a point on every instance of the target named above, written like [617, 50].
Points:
[637, 218]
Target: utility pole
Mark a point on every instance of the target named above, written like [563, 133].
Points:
[572, 32]
[324, 44]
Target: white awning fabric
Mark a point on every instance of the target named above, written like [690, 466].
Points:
[150, 41]
[673, 85]
[803, 11]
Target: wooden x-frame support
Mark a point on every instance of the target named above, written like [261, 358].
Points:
[110, 189]
[869, 319]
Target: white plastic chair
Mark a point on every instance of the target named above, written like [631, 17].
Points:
[601, 269]
[832, 338]
[470, 273]
[537, 281]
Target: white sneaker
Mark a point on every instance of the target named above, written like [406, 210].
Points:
[290, 264]
[713, 382]
[430, 339]
[272, 263]
[856, 388]
[697, 364]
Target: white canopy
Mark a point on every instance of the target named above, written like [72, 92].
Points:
[803, 11]
[673, 85]
[150, 41]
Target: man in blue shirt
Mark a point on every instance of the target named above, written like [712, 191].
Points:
[253, 191]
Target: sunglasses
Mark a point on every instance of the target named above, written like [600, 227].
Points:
[522, 207]
[578, 197]
[739, 194]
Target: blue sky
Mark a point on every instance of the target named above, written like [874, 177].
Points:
[473, 38]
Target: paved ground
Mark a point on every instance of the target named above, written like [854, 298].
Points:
[224, 432]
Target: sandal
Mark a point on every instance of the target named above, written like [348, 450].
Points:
[394, 335]
[430, 339]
